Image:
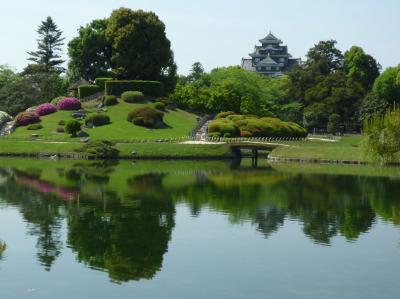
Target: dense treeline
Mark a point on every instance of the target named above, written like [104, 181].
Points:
[330, 91]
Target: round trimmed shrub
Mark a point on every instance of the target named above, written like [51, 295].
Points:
[27, 118]
[61, 123]
[132, 96]
[69, 104]
[146, 117]
[224, 114]
[110, 101]
[97, 120]
[72, 127]
[46, 109]
[223, 127]
[159, 106]
[34, 127]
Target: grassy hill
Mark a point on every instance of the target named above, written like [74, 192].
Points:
[178, 124]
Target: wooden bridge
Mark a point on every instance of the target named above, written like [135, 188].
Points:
[252, 150]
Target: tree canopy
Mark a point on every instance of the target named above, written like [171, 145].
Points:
[90, 52]
[49, 46]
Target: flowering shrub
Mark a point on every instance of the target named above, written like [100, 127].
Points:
[69, 104]
[27, 118]
[46, 109]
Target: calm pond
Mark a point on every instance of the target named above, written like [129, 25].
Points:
[165, 229]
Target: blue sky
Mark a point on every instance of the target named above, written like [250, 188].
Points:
[219, 32]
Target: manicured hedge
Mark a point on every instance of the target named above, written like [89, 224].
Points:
[146, 117]
[254, 126]
[46, 109]
[34, 127]
[88, 90]
[27, 118]
[110, 100]
[97, 120]
[132, 96]
[149, 88]
[101, 82]
[69, 104]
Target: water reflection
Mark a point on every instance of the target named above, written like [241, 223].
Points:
[119, 217]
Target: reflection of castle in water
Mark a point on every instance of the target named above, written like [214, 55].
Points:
[125, 228]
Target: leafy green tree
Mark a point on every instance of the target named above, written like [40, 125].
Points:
[371, 105]
[361, 67]
[18, 95]
[50, 42]
[324, 58]
[315, 116]
[386, 86]
[73, 127]
[333, 123]
[382, 137]
[196, 71]
[90, 52]
[7, 75]
[140, 47]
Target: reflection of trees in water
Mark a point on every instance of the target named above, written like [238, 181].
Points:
[42, 213]
[128, 242]
[127, 235]
[3, 247]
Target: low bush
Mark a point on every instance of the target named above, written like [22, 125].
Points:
[149, 88]
[97, 120]
[159, 106]
[34, 127]
[101, 82]
[252, 126]
[132, 96]
[110, 100]
[69, 104]
[73, 127]
[99, 149]
[146, 117]
[56, 100]
[46, 109]
[61, 123]
[27, 118]
[60, 130]
[224, 114]
[223, 128]
[88, 90]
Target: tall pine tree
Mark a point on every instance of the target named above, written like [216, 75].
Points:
[47, 58]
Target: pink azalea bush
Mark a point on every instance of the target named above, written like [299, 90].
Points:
[27, 118]
[46, 109]
[69, 104]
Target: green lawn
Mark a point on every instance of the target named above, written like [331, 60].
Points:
[178, 124]
[347, 148]
[141, 150]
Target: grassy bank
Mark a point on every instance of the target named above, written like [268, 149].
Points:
[346, 148]
[127, 150]
[178, 123]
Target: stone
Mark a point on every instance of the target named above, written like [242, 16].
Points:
[82, 134]
[85, 140]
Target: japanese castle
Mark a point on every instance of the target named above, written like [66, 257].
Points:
[270, 59]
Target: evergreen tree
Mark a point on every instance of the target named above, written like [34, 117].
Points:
[49, 47]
